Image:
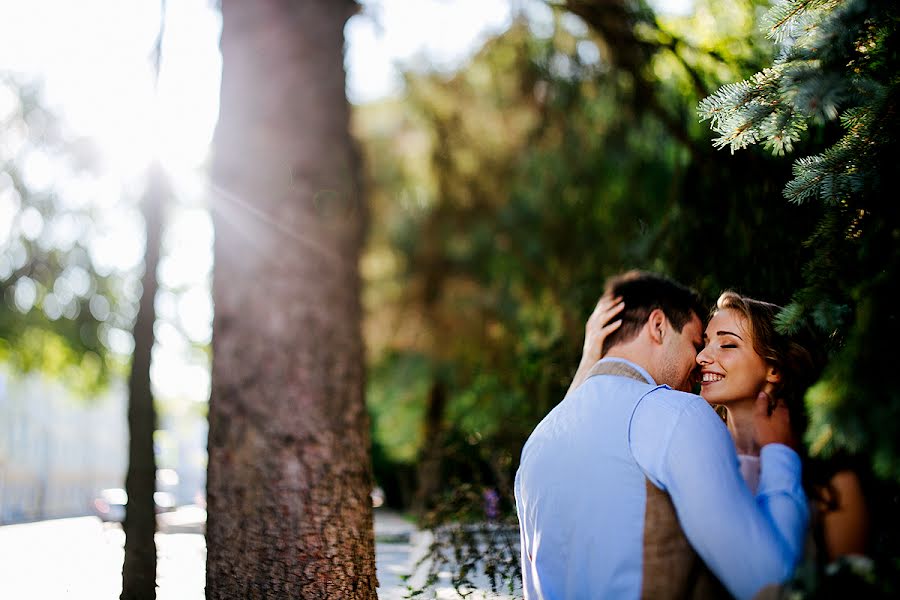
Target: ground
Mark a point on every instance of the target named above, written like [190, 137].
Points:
[81, 558]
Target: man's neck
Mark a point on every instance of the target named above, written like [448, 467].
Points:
[637, 356]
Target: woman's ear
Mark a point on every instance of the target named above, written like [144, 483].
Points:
[773, 375]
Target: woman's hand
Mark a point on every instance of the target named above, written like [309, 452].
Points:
[597, 329]
[773, 422]
[599, 326]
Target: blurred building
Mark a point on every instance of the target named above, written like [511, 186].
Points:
[181, 446]
[57, 451]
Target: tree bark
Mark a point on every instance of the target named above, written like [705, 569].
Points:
[139, 567]
[289, 479]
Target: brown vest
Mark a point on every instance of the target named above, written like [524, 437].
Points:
[672, 569]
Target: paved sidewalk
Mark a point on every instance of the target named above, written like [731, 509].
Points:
[81, 558]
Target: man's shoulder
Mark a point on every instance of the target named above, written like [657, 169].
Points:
[603, 381]
[659, 398]
[663, 399]
[664, 415]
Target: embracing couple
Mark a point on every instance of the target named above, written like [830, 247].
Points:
[633, 487]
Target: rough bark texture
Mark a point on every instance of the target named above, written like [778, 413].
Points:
[289, 472]
[139, 568]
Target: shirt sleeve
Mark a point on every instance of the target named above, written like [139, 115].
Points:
[684, 449]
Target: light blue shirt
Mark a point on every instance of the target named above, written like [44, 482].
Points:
[581, 493]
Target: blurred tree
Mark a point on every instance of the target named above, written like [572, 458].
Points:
[424, 301]
[724, 225]
[289, 473]
[60, 304]
[139, 566]
[506, 194]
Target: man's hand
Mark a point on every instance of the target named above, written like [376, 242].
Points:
[773, 422]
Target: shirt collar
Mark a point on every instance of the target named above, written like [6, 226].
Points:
[635, 366]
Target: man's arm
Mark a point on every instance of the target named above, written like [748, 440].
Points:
[685, 449]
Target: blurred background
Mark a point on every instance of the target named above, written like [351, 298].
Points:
[516, 153]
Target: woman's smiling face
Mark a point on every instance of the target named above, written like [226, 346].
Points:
[730, 368]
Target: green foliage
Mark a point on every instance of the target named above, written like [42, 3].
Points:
[40, 349]
[395, 388]
[831, 58]
[508, 192]
[837, 75]
[505, 194]
[534, 192]
[57, 307]
[838, 66]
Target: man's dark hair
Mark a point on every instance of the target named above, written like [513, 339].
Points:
[643, 293]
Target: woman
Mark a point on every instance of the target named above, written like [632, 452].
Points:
[743, 356]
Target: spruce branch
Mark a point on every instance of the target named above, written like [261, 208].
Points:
[807, 179]
[781, 130]
[787, 17]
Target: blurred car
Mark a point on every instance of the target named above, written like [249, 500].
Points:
[110, 504]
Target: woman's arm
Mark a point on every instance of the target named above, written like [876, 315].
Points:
[595, 332]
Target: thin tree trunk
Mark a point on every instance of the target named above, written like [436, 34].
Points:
[139, 568]
[289, 477]
[429, 468]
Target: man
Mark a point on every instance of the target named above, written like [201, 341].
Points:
[630, 478]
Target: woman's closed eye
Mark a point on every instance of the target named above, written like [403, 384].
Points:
[729, 346]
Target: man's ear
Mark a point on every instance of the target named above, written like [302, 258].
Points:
[773, 375]
[656, 322]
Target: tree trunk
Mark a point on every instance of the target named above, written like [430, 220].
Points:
[289, 478]
[139, 568]
[429, 471]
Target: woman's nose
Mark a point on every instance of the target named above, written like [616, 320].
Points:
[703, 358]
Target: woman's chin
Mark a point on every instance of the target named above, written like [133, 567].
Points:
[712, 397]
